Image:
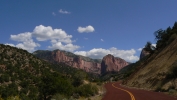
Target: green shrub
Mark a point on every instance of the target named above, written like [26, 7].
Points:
[87, 90]
[172, 91]
[13, 98]
[99, 83]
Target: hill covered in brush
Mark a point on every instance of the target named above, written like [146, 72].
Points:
[25, 76]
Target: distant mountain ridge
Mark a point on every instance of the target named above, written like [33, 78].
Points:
[85, 63]
[69, 54]
[76, 61]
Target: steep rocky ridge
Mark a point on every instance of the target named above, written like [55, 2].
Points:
[144, 53]
[112, 64]
[157, 71]
[76, 61]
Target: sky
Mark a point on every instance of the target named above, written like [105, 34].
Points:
[92, 28]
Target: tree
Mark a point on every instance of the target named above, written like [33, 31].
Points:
[149, 47]
[159, 34]
[78, 78]
[168, 30]
[53, 83]
[175, 25]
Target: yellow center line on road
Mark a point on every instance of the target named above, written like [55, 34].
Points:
[131, 95]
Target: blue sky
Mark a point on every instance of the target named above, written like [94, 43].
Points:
[92, 28]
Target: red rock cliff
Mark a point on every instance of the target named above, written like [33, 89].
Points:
[112, 64]
[77, 62]
[108, 64]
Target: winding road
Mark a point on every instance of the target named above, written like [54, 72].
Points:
[114, 91]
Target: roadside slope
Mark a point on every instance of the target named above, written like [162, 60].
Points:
[157, 71]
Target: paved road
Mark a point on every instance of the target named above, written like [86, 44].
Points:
[116, 92]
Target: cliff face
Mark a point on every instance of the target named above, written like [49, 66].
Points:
[80, 62]
[77, 62]
[144, 53]
[112, 64]
[108, 64]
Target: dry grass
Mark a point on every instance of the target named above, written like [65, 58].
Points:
[152, 74]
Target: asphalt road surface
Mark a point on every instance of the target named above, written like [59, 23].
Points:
[114, 91]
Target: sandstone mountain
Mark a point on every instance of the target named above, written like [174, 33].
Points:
[112, 64]
[96, 66]
[76, 61]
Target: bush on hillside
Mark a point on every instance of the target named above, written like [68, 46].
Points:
[87, 90]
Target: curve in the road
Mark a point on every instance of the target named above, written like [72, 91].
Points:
[114, 91]
[131, 95]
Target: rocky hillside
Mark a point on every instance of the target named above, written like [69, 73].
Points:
[24, 76]
[112, 64]
[21, 73]
[76, 61]
[158, 70]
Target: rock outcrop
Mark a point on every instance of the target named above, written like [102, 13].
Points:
[112, 64]
[76, 61]
[144, 53]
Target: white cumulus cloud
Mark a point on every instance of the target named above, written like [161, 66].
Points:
[64, 11]
[58, 45]
[86, 29]
[21, 37]
[25, 41]
[58, 37]
[28, 45]
[99, 53]
[43, 33]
